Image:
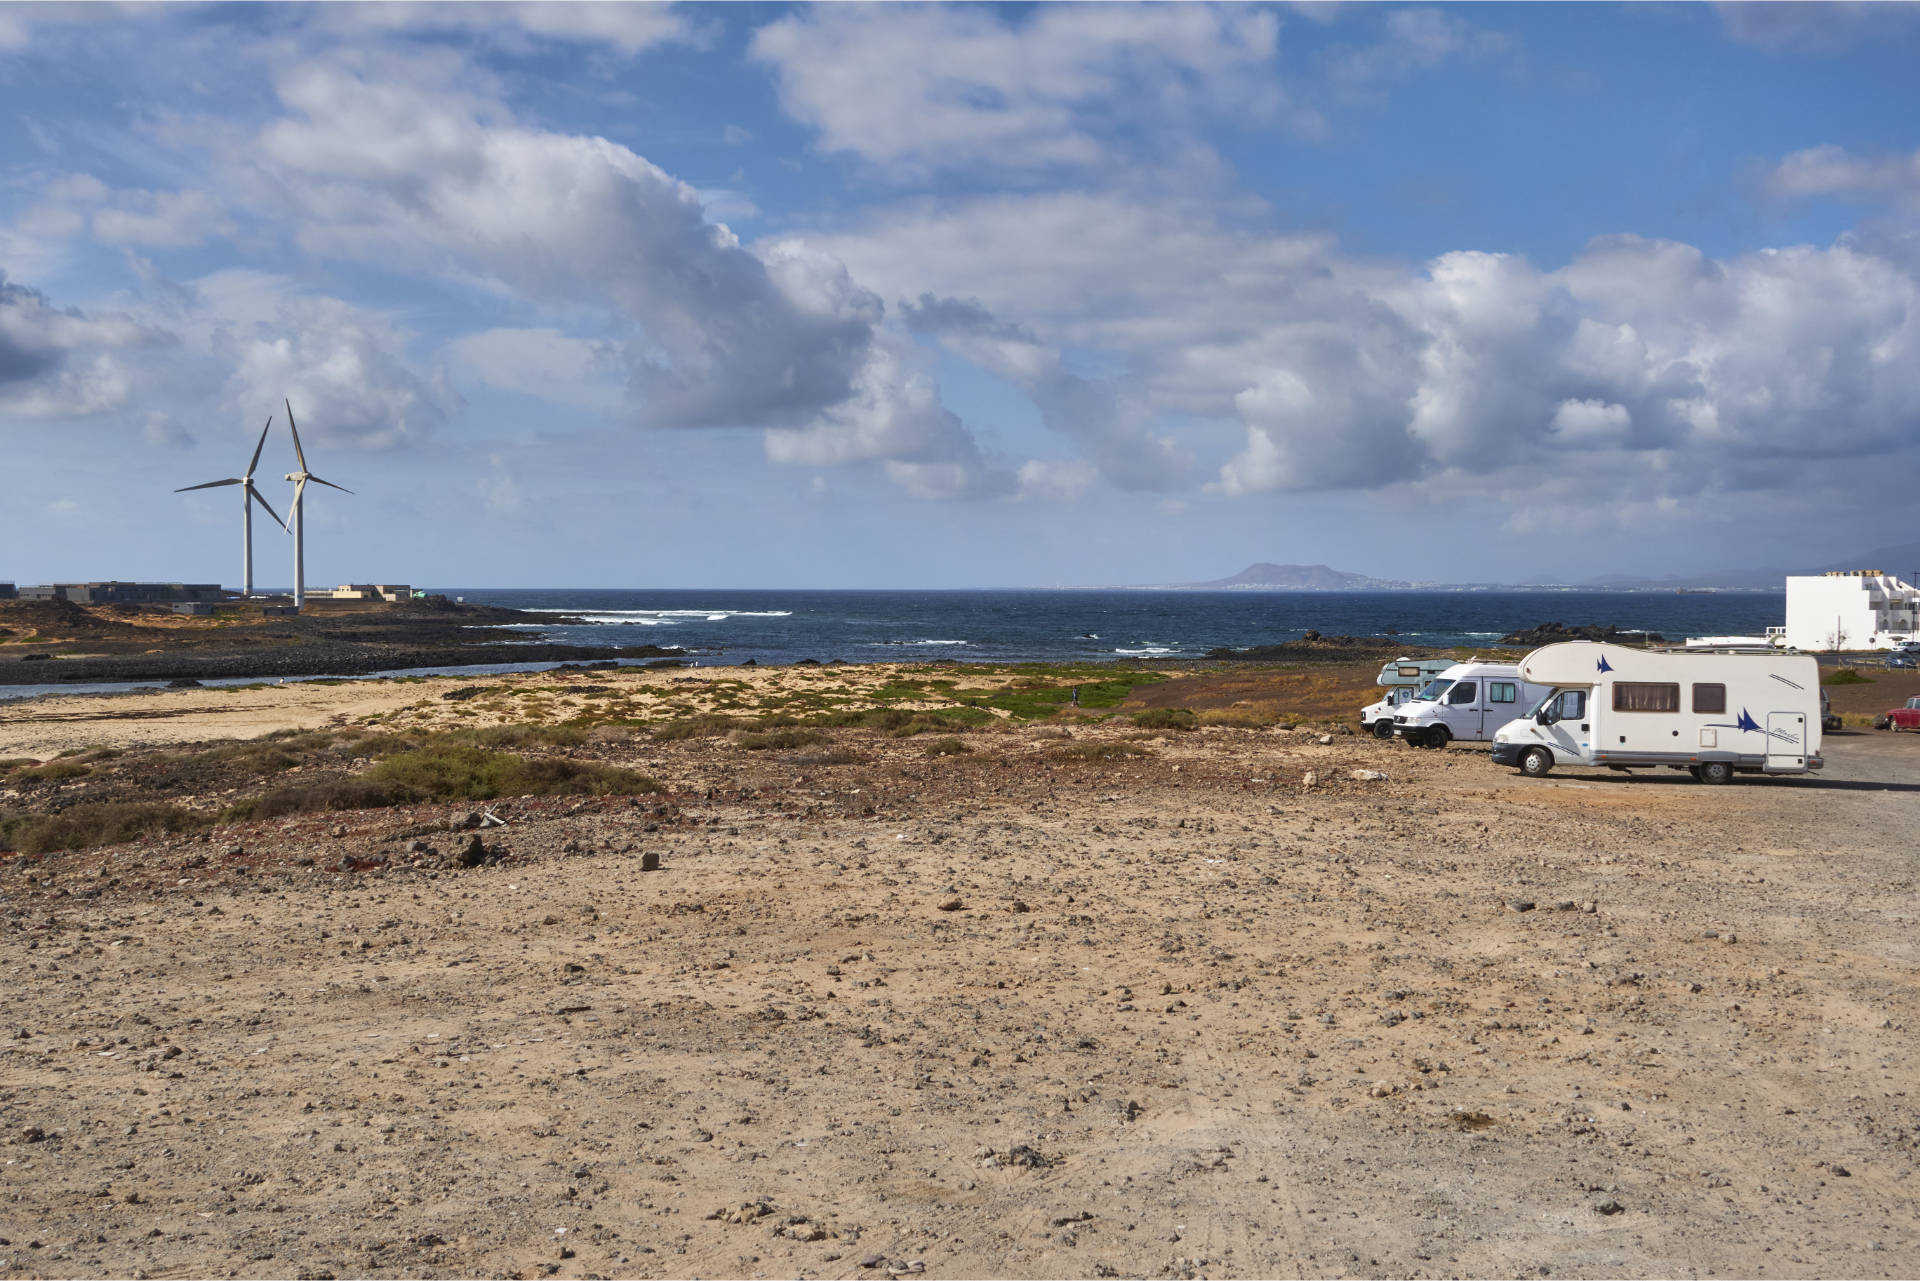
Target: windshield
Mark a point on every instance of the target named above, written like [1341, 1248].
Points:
[1433, 691]
[1545, 699]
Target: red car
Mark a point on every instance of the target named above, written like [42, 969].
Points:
[1900, 718]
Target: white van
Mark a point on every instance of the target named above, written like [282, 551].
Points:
[1469, 701]
[1709, 714]
[1403, 677]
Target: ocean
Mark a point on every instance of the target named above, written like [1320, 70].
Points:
[1061, 626]
[720, 627]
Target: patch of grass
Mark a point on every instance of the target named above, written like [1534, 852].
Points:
[947, 747]
[442, 771]
[1084, 752]
[1845, 676]
[776, 739]
[1178, 718]
[451, 772]
[55, 771]
[904, 723]
[15, 762]
[699, 726]
[84, 826]
[1251, 717]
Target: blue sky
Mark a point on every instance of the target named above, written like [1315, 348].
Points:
[767, 295]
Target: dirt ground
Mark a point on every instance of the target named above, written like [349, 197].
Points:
[1224, 1008]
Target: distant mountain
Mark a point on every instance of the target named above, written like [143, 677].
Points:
[1295, 578]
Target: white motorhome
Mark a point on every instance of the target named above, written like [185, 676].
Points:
[1403, 678]
[1710, 714]
[1468, 701]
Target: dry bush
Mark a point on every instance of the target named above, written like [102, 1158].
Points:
[83, 826]
[947, 747]
[776, 739]
[1106, 751]
[1174, 718]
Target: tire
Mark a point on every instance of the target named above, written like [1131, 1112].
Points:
[1716, 772]
[1535, 762]
[1383, 729]
[1437, 737]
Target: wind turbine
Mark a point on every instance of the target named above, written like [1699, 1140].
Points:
[248, 497]
[298, 511]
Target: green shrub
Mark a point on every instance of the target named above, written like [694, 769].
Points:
[1845, 676]
[1167, 718]
[947, 747]
[84, 826]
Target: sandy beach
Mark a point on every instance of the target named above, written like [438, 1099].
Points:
[1044, 997]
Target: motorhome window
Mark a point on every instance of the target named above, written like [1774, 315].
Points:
[1433, 691]
[1409, 671]
[1462, 692]
[1629, 696]
[1710, 698]
[1573, 705]
[1502, 692]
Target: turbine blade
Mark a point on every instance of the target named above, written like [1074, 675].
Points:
[257, 448]
[292, 427]
[260, 498]
[330, 485]
[213, 484]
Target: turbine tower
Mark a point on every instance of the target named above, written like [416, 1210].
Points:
[248, 497]
[298, 512]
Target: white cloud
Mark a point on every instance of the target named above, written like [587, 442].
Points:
[76, 203]
[344, 368]
[919, 88]
[629, 28]
[1590, 424]
[1110, 426]
[1825, 27]
[61, 362]
[544, 363]
[400, 164]
[1834, 171]
[1413, 40]
[1766, 370]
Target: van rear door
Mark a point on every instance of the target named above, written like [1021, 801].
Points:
[1786, 742]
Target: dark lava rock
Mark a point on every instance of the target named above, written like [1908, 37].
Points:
[464, 693]
[1550, 633]
[183, 682]
[650, 861]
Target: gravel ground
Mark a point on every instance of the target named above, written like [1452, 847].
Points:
[1222, 1009]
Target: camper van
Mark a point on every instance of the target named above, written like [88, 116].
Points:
[1709, 714]
[1468, 701]
[1403, 678]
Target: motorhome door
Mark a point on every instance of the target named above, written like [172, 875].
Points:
[1462, 711]
[1786, 741]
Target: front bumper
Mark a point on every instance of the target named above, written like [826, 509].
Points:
[1507, 753]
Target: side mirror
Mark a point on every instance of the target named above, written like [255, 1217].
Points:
[1543, 716]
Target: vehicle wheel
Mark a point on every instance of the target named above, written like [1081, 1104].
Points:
[1437, 737]
[1535, 762]
[1716, 772]
[1383, 729]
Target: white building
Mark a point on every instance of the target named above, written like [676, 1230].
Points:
[1850, 609]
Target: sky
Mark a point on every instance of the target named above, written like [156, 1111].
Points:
[958, 296]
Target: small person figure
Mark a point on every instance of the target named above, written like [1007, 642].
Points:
[1076, 696]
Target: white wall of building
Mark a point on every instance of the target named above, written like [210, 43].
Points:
[1855, 610]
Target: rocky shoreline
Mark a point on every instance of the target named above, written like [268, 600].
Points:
[307, 660]
[58, 643]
